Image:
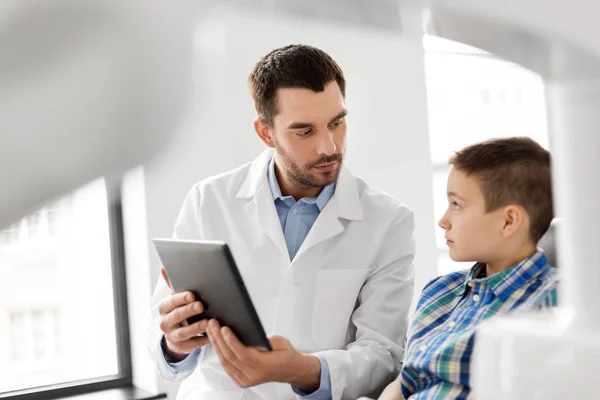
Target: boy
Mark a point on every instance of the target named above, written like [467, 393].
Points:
[499, 206]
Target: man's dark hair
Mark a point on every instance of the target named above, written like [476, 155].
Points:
[293, 66]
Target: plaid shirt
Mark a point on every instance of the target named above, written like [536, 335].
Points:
[442, 334]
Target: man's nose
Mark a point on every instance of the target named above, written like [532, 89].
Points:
[326, 144]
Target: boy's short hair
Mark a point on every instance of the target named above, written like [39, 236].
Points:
[512, 171]
[293, 66]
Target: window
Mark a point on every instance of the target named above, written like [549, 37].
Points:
[34, 338]
[62, 308]
[17, 342]
[484, 97]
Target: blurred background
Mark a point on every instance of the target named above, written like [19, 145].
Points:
[78, 273]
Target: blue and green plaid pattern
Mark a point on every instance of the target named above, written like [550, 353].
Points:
[442, 334]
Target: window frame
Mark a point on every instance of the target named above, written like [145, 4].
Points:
[119, 277]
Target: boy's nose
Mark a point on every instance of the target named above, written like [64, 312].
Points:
[444, 223]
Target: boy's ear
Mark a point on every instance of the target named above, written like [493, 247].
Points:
[515, 219]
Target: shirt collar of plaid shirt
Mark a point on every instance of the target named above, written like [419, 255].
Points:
[505, 283]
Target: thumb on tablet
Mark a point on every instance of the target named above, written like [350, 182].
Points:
[163, 273]
[279, 342]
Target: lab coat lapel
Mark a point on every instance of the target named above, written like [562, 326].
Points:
[344, 204]
[261, 206]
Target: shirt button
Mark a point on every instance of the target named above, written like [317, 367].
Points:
[476, 298]
[451, 324]
[295, 211]
[422, 375]
[423, 347]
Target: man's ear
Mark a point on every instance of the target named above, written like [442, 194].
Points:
[263, 131]
[514, 219]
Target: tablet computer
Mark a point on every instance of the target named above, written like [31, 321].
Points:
[207, 269]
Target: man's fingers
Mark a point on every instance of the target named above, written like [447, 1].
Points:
[178, 317]
[184, 312]
[240, 351]
[229, 367]
[163, 273]
[215, 329]
[215, 343]
[189, 345]
[198, 341]
[189, 332]
[279, 342]
[174, 301]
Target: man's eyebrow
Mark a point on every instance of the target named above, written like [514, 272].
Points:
[341, 115]
[299, 125]
[303, 125]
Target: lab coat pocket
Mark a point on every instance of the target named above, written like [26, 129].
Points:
[336, 294]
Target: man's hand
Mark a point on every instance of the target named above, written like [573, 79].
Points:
[181, 339]
[248, 366]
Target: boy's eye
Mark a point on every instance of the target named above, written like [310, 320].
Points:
[455, 205]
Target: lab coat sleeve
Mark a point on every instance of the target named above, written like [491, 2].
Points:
[186, 227]
[372, 361]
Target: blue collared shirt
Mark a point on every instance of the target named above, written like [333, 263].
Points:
[297, 218]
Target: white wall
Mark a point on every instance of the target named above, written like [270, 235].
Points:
[387, 138]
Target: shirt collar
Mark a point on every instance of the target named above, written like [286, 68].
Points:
[275, 189]
[321, 200]
[505, 283]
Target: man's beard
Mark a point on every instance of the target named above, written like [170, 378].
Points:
[303, 177]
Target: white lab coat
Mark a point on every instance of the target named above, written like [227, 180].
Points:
[344, 296]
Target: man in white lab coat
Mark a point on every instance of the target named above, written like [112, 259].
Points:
[327, 260]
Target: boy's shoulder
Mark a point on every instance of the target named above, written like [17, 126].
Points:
[547, 294]
[448, 281]
[442, 287]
